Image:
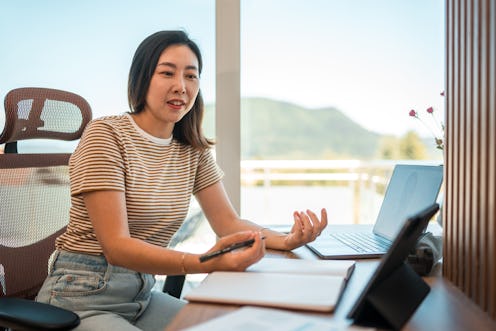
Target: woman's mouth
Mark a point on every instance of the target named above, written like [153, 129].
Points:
[176, 104]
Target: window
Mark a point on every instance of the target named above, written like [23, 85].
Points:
[320, 81]
[326, 89]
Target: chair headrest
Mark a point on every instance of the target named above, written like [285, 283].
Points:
[43, 113]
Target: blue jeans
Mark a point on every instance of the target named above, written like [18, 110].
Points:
[106, 297]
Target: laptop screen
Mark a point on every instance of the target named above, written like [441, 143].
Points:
[410, 189]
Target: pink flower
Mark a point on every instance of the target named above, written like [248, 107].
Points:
[435, 126]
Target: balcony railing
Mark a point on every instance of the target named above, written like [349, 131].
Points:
[362, 184]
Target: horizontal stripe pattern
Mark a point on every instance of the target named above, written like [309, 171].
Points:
[158, 181]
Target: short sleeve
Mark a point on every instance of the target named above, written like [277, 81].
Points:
[208, 172]
[97, 163]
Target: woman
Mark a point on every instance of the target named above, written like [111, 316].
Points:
[132, 177]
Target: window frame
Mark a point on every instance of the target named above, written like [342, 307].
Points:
[228, 96]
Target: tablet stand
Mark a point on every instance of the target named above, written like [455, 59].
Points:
[394, 300]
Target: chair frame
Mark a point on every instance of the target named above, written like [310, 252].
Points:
[20, 312]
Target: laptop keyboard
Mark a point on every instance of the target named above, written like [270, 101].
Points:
[363, 241]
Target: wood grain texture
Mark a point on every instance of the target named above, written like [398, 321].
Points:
[470, 160]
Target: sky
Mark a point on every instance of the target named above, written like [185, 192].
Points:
[372, 59]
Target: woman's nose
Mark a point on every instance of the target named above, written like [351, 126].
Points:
[179, 86]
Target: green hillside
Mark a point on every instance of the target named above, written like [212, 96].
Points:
[273, 129]
[278, 130]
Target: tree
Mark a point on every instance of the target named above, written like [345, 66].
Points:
[412, 147]
[389, 148]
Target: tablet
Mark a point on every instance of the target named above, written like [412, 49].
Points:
[394, 291]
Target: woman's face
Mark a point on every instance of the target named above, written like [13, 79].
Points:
[174, 85]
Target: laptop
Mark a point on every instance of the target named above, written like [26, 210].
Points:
[412, 187]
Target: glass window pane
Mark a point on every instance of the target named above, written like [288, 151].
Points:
[327, 87]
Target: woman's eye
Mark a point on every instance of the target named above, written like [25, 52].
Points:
[192, 76]
[167, 73]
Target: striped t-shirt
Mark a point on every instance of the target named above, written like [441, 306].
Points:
[158, 177]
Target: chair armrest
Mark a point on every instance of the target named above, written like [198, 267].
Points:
[30, 315]
[174, 285]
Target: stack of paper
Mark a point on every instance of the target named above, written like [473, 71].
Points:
[251, 318]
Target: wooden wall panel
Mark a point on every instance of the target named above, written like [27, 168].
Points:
[490, 25]
[470, 157]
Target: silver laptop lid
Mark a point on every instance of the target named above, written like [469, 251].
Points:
[410, 189]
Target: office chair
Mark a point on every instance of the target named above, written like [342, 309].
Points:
[35, 201]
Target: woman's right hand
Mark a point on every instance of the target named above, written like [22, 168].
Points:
[239, 259]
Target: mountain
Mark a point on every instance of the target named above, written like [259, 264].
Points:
[273, 129]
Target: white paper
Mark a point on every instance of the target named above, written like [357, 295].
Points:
[267, 319]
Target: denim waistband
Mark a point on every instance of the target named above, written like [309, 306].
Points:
[95, 263]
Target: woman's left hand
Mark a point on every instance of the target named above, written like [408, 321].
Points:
[306, 228]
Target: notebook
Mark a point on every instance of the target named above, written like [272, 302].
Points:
[314, 285]
[412, 187]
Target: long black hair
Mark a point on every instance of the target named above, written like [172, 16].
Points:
[189, 129]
